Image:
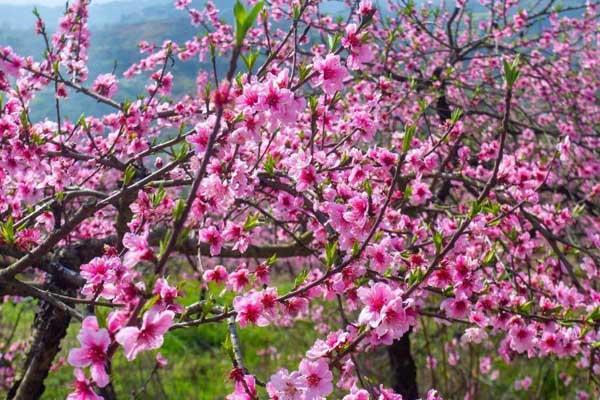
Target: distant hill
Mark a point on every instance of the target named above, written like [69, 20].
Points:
[116, 28]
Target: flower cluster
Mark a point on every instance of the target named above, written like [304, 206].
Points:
[394, 174]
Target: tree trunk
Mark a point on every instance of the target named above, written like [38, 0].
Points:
[404, 371]
[50, 327]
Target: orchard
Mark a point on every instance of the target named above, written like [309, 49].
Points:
[413, 185]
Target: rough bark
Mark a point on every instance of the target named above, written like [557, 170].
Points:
[404, 370]
[50, 327]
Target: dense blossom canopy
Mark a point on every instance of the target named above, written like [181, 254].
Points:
[410, 165]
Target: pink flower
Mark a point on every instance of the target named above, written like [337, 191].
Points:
[394, 319]
[420, 192]
[101, 272]
[117, 320]
[365, 8]
[357, 394]
[374, 298]
[218, 274]
[214, 239]
[149, 336]
[93, 351]
[358, 212]
[285, 386]
[295, 306]
[388, 394]
[182, 4]
[105, 85]
[276, 101]
[457, 307]
[83, 388]
[360, 52]
[316, 378]
[236, 233]
[139, 250]
[307, 178]
[245, 387]
[249, 310]
[262, 273]
[239, 279]
[550, 343]
[432, 394]
[379, 256]
[167, 295]
[330, 73]
[521, 338]
[161, 361]
[523, 384]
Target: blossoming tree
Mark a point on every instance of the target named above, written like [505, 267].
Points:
[419, 167]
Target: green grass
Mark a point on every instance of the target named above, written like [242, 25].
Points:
[199, 365]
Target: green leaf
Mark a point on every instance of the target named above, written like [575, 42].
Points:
[250, 60]
[367, 187]
[438, 241]
[126, 105]
[178, 209]
[151, 302]
[128, 174]
[37, 139]
[511, 71]
[244, 19]
[475, 209]
[407, 192]
[303, 71]
[333, 41]
[355, 248]
[331, 250]
[377, 236]
[252, 221]
[181, 151]
[24, 119]
[81, 122]
[272, 260]
[60, 196]
[525, 308]
[183, 236]
[578, 210]
[164, 242]
[300, 278]
[7, 229]
[408, 137]
[415, 276]
[455, 116]
[158, 196]
[269, 165]
[490, 257]
[594, 315]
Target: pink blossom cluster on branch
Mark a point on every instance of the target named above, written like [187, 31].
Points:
[415, 167]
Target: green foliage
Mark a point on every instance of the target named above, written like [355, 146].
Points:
[7, 230]
[408, 137]
[511, 71]
[244, 19]
[331, 253]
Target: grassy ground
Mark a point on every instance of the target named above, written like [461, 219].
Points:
[198, 364]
